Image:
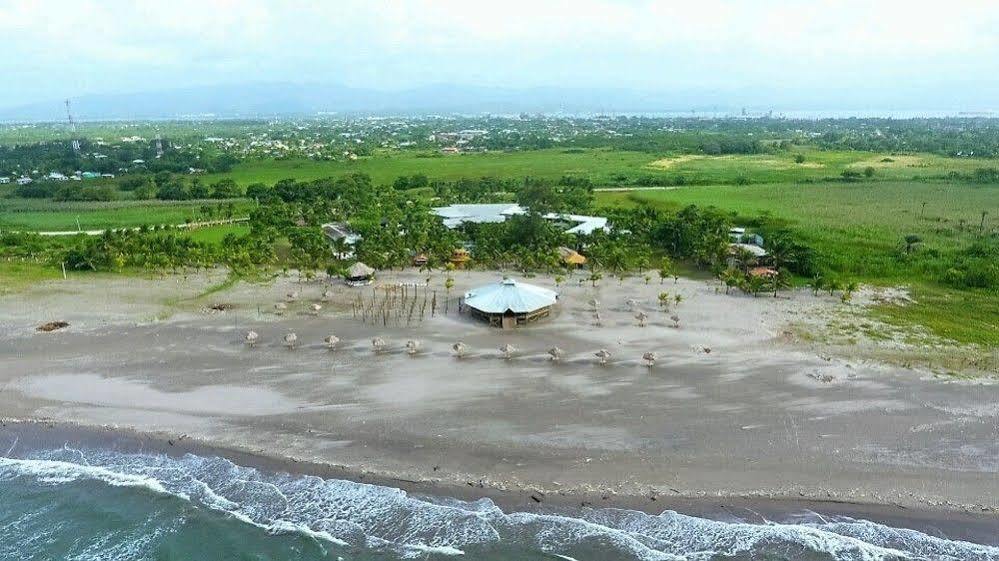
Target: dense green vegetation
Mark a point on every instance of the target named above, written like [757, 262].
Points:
[837, 201]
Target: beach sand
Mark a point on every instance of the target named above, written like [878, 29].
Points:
[762, 416]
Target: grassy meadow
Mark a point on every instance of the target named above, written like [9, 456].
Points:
[606, 167]
[45, 215]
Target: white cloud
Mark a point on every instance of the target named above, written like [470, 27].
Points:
[93, 45]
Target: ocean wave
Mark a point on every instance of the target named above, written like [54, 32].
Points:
[386, 519]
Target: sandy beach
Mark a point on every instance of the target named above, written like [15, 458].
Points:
[738, 409]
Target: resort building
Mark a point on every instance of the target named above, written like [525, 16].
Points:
[456, 215]
[509, 303]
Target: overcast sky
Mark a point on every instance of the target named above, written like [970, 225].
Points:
[56, 49]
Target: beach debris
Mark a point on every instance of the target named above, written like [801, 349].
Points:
[676, 320]
[537, 497]
[556, 354]
[824, 378]
[650, 359]
[251, 338]
[378, 344]
[642, 317]
[707, 350]
[412, 346]
[290, 339]
[507, 351]
[52, 326]
[327, 295]
[220, 307]
[280, 307]
[603, 355]
[292, 296]
[316, 308]
[331, 341]
[459, 349]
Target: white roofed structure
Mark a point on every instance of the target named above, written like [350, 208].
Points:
[456, 215]
[509, 303]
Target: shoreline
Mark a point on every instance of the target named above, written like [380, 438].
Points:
[943, 521]
[737, 418]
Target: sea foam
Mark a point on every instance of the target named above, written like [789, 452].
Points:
[388, 519]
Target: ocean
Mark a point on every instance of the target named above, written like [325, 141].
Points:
[101, 504]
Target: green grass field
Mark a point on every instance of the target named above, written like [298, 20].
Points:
[860, 222]
[44, 215]
[611, 167]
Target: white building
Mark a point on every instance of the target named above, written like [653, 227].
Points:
[456, 215]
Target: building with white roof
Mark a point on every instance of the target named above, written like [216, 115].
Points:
[510, 303]
[456, 215]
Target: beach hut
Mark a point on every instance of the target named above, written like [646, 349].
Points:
[359, 274]
[460, 257]
[509, 303]
[571, 257]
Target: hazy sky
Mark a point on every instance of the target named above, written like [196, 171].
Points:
[56, 49]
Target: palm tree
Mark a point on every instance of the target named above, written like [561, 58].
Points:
[641, 317]
[251, 338]
[632, 303]
[664, 299]
[280, 307]
[649, 358]
[316, 308]
[555, 353]
[412, 346]
[507, 350]
[676, 320]
[603, 355]
[331, 341]
[292, 296]
[595, 278]
[377, 344]
[327, 295]
[459, 349]
[595, 304]
[677, 299]
[290, 340]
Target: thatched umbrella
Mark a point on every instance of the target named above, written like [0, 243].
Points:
[459, 349]
[378, 344]
[507, 350]
[316, 308]
[290, 340]
[641, 317]
[331, 341]
[649, 358]
[292, 296]
[251, 338]
[603, 355]
[280, 307]
[556, 354]
[412, 346]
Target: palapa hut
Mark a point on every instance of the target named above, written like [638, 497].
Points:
[359, 274]
[459, 257]
[509, 303]
[571, 257]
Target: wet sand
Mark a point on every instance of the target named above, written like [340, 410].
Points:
[760, 416]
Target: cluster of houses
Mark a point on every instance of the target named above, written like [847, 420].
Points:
[56, 176]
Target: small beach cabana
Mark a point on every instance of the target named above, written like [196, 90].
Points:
[509, 303]
[359, 274]
[571, 257]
